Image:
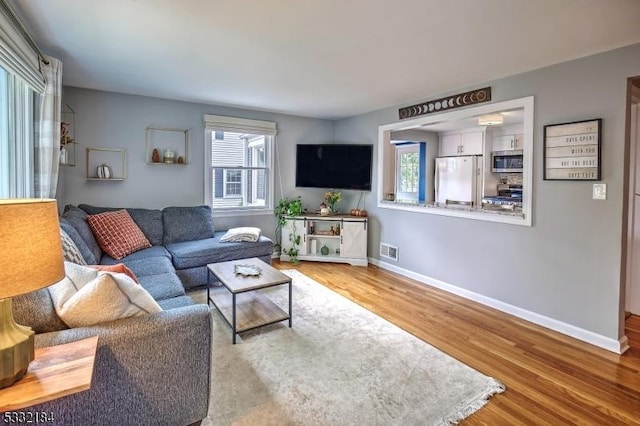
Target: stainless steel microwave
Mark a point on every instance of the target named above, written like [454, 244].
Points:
[507, 161]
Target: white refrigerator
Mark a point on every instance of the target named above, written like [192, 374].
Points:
[458, 180]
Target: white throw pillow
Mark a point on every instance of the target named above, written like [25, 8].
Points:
[87, 297]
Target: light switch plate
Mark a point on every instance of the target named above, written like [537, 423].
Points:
[599, 191]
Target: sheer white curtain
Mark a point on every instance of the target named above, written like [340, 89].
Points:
[47, 142]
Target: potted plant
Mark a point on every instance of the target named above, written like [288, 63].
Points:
[288, 207]
[331, 198]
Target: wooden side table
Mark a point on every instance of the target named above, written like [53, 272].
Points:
[55, 372]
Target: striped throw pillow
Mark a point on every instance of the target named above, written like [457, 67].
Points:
[70, 250]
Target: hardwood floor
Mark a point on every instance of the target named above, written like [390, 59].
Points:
[550, 378]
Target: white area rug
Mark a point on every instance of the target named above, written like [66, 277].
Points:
[340, 364]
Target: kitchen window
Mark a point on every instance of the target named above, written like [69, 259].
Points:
[239, 165]
[407, 172]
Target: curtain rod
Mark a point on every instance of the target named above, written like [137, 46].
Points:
[23, 30]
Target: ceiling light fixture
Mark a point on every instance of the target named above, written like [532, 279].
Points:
[490, 120]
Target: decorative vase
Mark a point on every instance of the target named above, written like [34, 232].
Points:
[324, 250]
[103, 171]
[63, 155]
[324, 211]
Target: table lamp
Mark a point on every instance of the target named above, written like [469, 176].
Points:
[30, 259]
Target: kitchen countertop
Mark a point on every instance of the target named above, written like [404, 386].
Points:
[516, 212]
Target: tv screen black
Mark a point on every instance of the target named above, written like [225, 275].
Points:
[334, 166]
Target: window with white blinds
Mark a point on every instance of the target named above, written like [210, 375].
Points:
[239, 168]
[17, 56]
[18, 104]
[21, 87]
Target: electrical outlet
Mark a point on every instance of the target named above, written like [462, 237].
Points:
[599, 191]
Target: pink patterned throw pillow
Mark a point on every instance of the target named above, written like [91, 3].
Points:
[117, 233]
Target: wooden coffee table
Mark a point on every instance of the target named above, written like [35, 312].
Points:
[246, 309]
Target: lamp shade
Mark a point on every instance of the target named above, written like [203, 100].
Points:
[30, 248]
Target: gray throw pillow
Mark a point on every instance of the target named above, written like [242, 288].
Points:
[78, 219]
[187, 223]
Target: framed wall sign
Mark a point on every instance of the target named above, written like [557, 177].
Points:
[572, 150]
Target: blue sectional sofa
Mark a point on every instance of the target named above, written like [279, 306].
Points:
[151, 369]
[184, 235]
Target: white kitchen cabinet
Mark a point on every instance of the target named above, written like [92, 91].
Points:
[337, 238]
[472, 143]
[507, 143]
[462, 143]
[519, 141]
[450, 145]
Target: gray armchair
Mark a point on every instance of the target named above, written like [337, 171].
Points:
[149, 370]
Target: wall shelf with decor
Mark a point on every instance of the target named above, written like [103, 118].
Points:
[106, 164]
[167, 146]
[67, 136]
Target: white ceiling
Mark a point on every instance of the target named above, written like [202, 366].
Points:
[317, 58]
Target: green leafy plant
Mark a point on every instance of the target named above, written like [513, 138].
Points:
[288, 207]
[293, 251]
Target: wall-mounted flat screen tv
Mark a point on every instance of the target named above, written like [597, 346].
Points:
[337, 166]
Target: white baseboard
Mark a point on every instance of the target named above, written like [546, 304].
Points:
[616, 346]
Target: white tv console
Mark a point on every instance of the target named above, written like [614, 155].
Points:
[347, 244]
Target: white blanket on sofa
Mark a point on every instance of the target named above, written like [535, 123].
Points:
[87, 297]
[246, 233]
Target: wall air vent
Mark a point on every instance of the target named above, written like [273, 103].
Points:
[388, 251]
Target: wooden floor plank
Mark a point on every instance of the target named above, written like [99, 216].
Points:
[551, 378]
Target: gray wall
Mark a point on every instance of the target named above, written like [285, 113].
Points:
[112, 120]
[567, 266]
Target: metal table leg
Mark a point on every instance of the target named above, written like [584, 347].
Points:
[233, 295]
[208, 286]
[290, 304]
